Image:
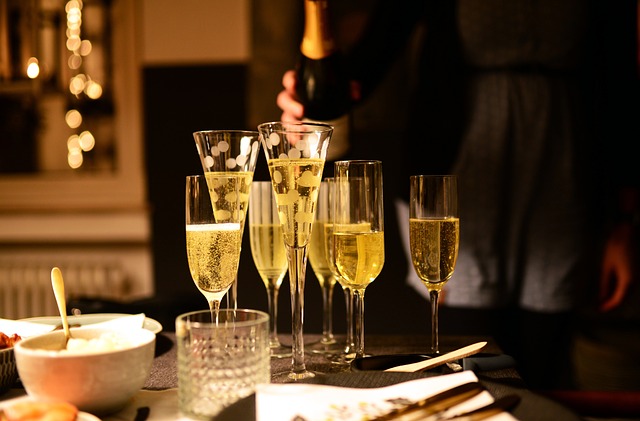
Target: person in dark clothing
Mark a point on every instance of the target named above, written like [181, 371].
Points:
[533, 105]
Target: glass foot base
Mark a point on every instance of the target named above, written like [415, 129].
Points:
[280, 351]
[326, 347]
[292, 377]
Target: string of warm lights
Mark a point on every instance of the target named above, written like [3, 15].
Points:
[80, 84]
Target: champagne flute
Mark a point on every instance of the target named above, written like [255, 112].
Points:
[325, 275]
[269, 255]
[295, 155]
[434, 236]
[213, 247]
[348, 349]
[358, 232]
[228, 159]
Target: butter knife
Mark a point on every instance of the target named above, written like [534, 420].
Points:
[436, 403]
[441, 359]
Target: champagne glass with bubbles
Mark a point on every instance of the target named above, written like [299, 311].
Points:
[213, 247]
[326, 278]
[434, 236]
[295, 154]
[229, 159]
[269, 255]
[358, 232]
[347, 353]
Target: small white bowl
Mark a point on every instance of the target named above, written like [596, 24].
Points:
[99, 382]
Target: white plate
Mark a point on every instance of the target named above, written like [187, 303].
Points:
[89, 319]
[85, 416]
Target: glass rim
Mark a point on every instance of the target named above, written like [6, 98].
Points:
[416, 176]
[261, 317]
[283, 124]
[358, 161]
[230, 131]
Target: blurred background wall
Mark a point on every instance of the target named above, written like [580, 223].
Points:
[178, 67]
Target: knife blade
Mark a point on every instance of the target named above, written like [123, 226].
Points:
[505, 403]
[439, 360]
[436, 403]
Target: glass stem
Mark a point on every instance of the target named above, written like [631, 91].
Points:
[233, 295]
[272, 293]
[433, 295]
[214, 307]
[358, 304]
[297, 269]
[327, 310]
[348, 300]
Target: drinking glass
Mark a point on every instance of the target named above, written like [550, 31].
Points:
[434, 236]
[358, 232]
[295, 154]
[213, 246]
[228, 159]
[220, 363]
[269, 255]
[322, 269]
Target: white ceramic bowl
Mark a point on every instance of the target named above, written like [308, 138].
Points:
[100, 383]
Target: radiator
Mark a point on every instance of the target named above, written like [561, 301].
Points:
[25, 288]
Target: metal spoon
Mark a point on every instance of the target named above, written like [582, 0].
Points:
[58, 290]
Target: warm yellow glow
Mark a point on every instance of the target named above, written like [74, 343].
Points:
[73, 30]
[73, 119]
[87, 141]
[85, 47]
[75, 61]
[71, 5]
[73, 143]
[74, 158]
[73, 43]
[93, 89]
[77, 83]
[33, 68]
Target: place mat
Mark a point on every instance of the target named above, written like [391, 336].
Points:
[532, 407]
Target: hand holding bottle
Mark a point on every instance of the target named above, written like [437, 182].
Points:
[292, 108]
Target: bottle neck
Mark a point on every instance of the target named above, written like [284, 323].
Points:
[317, 40]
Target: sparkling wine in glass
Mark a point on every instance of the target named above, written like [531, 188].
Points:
[269, 254]
[295, 154]
[347, 353]
[358, 232]
[229, 159]
[326, 278]
[434, 236]
[213, 247]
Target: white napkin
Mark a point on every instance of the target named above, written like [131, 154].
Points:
[26, 329]
[133, 321]
[312, 402]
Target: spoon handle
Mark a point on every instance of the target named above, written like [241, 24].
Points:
[58, 290]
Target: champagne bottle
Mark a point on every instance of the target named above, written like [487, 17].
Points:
[322, 82]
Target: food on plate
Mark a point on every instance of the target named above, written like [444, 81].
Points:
[7, 341]
[39, 411]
